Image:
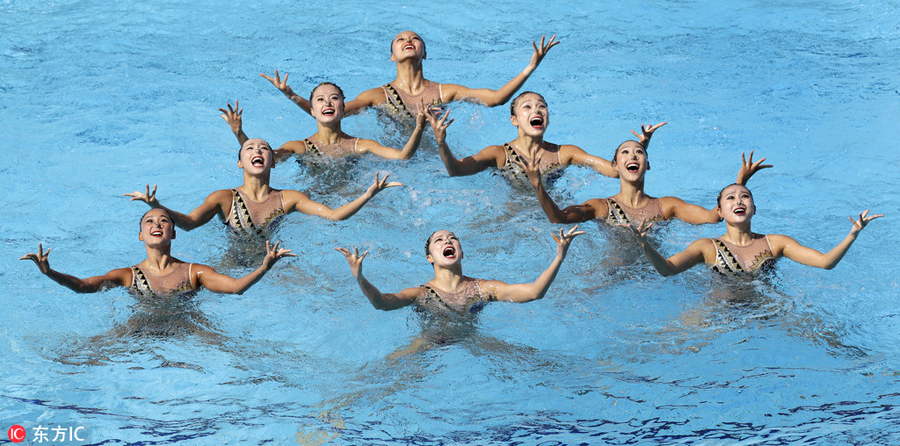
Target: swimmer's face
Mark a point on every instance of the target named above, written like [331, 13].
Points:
[327, 103]
[407, 45]
[530, 114]
[631, 161]
[444, 248]
[256, 155]
[736, 204]
[157, 227]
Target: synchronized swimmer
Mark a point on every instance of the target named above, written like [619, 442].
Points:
[530, 115]
[450, 292]
[329, 141]
[741, 251]
[410, 93]
[160, 275]
[254, 208]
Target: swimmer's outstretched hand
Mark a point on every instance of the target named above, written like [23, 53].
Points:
[280, 84]
[39, 259]
[148, 197]
[748, 168]
[564, 239]
[381, 184]
[532, 169]
[233, 117]
[858, 225]
[647, 133]
[438, 124]
[540, 52]
[354, 259]
[273, 253]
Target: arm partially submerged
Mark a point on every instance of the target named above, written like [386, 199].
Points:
[379, 300]
[527, 292]
[116, 277]
[220, 283]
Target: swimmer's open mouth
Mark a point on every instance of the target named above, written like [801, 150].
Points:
[409, 46]
[632, 167]
[740, 211]
[257, 161]
[156, 233]
[537, 122]
[449, 252]
[328, 111]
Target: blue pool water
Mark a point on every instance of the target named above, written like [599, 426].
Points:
[98, 98]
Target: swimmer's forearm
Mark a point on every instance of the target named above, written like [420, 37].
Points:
[413, 144]
[73, 283]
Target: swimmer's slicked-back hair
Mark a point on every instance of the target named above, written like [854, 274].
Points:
[428, 242]
[325, 83]
[424, 50]
[141, 221]
[646, 152]
[719, 197]
[512, 105]
[245, 143]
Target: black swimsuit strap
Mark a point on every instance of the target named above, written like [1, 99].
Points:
[310, 147]
[139, 278]
[728, 255]
[393, 92]
[617, 212]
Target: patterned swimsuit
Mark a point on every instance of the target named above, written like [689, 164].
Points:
[734, 259]
[341, 149]
[470, 300]
[623, 214]
[551, 169]
[409, 106]
[177, 283]
[248, 217]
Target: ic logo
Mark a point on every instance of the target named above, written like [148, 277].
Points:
[16, 433]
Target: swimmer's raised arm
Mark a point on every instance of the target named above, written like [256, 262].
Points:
[748, 168]
[702, 250]
[298, 201]
[793, 250]
[282, 86]
[369, 98]
[232, 116]
[368, 145]
[491, 98]
[379, 300]
[116, 277]
[590, 210]
[220, 283]
[527, 292]
[674, 207]
[470, 165]
[569, 154]
[647, 133]
[218, 202]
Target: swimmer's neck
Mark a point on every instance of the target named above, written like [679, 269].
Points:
[738, 234]
[632, 193]
[526, 144]
[159, 260]
[330, 134]
[410, 77]
[256, 188]
[448, 279]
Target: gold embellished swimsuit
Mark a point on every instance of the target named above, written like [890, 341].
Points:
[409, 106]
[623, 214]
[248, 217]
[470, 300]
[551, 169]
[735, 259]
[177, 283]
